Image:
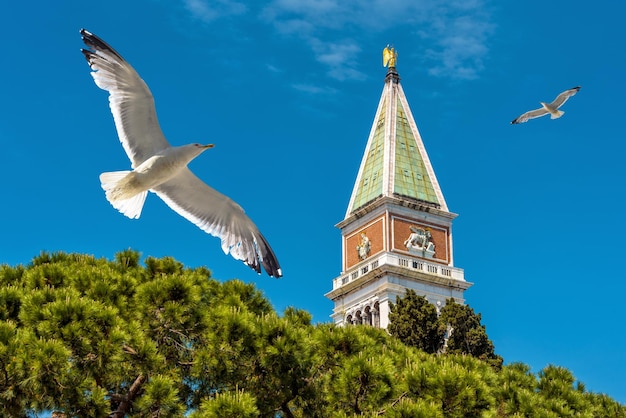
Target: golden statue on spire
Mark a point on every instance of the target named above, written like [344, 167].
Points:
[389, 56]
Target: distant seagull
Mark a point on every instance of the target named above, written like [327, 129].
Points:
[162, 169]
[549, 108]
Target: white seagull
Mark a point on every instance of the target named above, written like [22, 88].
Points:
[548, 108]
[162, 169]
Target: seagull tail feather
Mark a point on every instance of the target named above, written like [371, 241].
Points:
[120, 195]
[557, 115]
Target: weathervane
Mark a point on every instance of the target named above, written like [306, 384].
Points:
[389, 56]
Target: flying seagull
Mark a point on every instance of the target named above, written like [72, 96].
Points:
[162, 169]
[548, 108]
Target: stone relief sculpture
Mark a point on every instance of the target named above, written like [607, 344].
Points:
[420, 242]
[363, 247]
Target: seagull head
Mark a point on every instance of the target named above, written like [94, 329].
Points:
[200, 148]
[190, 151]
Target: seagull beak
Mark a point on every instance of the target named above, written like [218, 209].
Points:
[208, 146]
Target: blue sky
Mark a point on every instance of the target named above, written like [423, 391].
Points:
[287, 90]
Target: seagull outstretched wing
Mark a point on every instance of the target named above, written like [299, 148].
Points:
[130, 100]
[562, 98]
[532, 114]
[221, 217]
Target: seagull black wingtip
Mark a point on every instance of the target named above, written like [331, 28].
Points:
[95, 43]
[87, 53]
[276, 273]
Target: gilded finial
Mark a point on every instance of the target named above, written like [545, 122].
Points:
[389, 56]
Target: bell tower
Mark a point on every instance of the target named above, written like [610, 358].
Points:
[397, 231]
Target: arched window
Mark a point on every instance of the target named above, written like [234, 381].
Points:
[376, 315]
[367, 316]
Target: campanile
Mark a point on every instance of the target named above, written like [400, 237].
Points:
[397, 231]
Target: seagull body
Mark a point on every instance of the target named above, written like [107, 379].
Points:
[551, 109]
[162, 169]
[127, 190]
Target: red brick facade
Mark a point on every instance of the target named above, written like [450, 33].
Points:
[385, 238]
[440, 237]
[374, 232]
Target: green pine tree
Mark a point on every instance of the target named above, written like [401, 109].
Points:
[87, 337]
[415, 322]
[468, 335]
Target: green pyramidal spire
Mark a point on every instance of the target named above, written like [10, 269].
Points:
[395, 162]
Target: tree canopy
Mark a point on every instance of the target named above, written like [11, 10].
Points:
[415, 322]
[456, 329]
[87, 337]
